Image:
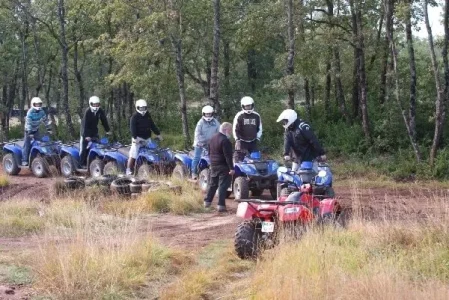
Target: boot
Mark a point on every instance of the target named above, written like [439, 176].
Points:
[130, 166]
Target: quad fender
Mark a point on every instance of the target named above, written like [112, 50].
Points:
[183, 158]
[294, 212]
[242, 169]
[13, 148]
[148, 156]
[72, 151]
[245, 211]
[116, 156]
[204, 163]
[285, 175]
[94, 153]
[329, 206]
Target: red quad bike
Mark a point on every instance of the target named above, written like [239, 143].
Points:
[265, 220]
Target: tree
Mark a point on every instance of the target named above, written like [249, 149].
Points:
[216, 53]
[290, 69]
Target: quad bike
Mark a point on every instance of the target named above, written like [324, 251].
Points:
[264, 221]
[70, 158]
[150, 159]
[254, 174]
[43, 154]
[318, 176]
[184, 166]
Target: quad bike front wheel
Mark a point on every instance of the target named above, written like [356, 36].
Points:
[247, 240]
[144, 171]
[96, 168]
[180, 171]
[113, 168]
[10, 165]
[67, 166]
[241, 188]
[39, 167]
[203, 180]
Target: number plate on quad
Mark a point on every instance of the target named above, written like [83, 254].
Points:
[267, 226]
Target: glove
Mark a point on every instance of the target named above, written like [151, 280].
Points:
[30, 135]
[238, 145]
[287, 158]
[323, 158]
[159, 137]
[199, 144]
[88, 139]
[108, 133]
[50, 132]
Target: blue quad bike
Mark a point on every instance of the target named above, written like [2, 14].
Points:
[44, 153]
[254, 175]
[151, 159]
[319, 177]
[70, 158]
[183, 168]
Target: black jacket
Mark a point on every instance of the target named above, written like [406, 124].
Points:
[220, 151]
[300, 138]
[89, 124]
[247, 127]
[142, 126]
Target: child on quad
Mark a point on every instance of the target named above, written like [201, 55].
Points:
[206, 127]
[247, 129]
[35, 116]
[141, 125]
[299, 139]
[89, 126]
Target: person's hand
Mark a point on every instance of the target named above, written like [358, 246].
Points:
[30, 135]
[88, 139]
[232, 172]
[199, 144]
[108, 133]
[287, 158]
[159, 137]
[323, 158]
[50, 132]
[238, 145]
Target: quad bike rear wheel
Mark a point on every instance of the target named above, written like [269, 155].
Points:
[203, 180]
[113, 168]
[180, 171]
[144, 171]
[67, 166]
[241, 188]
[96, 168]
[10, 165]
[39, 167]
[247, 240]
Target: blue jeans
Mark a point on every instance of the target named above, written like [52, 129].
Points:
[220, 179]
[27, 145]
[196, 159]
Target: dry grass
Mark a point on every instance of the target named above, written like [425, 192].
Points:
[4, 181]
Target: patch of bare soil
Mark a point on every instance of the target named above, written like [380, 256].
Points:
[11, 292]
[26, 186]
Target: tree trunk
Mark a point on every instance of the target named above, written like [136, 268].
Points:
[388, 7]
[177, 47]
[308, 96]
[355, 71]
[440, 101]
[445, 50]
[64, 68]
[252, 70]
[24, 99]
[47, 97]
[327, 92]
[411, 53]
[227, 65]
[213, 97]
[290, 69]
[79, 80]
[340, 94]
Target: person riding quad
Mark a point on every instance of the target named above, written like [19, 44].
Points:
[141, 125]
[206, 127]
[299, 139]
[35, 116]
[247, 129]
[89, 126]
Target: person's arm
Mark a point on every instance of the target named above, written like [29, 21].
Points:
[259, 132]
[227, 152]
[46, 120]
[199, 138]
[28, 121]
[236, 127]
[287, 145]
[153, 126]
[133, 126]
[104, 121]
[308, 133]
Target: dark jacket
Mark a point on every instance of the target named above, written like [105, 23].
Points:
[247, 127]
[300, 138]
[220, 151]
[142, 126]
[89, 125]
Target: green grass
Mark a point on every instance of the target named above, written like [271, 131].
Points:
[4, 181]
[16, 275]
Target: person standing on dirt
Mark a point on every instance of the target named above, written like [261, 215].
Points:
[206, 127]
[89, 127]
[247, 129]
[141, 126]
[34, 118]
[300, 139]
[221, 166]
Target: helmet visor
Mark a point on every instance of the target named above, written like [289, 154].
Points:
[95, 104]
[207, 115]
[37, 104]
[248, 107]
[142, 108]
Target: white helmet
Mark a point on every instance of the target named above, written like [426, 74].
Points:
[247, 101]
[287, 117]
[208, 110]
[141, 106]
[36, 103]
[94, 103]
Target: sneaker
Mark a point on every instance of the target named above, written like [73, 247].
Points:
[207, 204]
[24, 163]
[194, 176]
[128, 172]
[222, 209]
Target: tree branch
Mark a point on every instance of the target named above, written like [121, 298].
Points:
[330, 24]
